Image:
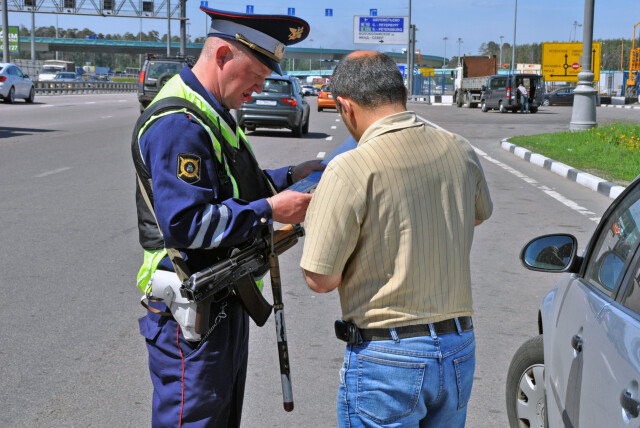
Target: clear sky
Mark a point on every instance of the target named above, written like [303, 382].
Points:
[474, 21]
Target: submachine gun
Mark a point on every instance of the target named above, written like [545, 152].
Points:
[236, 274]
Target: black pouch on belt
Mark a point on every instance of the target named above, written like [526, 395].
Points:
[347, 332]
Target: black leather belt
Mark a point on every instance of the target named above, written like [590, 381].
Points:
[369, 334]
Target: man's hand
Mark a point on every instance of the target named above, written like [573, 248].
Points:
[305, 168]
[289, 207]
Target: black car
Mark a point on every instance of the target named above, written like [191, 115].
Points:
[501, 92]
[155, 73]
[280, 105]
[560, 96]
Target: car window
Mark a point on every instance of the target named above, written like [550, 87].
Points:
[158, 68]
[613, 246]
[326, 88]
[17, 72]
[277, 86]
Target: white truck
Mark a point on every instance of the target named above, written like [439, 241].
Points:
[51, 67]
[471, 76]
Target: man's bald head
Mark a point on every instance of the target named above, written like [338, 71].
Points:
[369, 78]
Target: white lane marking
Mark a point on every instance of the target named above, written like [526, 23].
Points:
[55, 171]
[105, 117]
[333, 127]
[47, 105]
[337, 120]
[321, 155]
[122, 101]
[329, 138]
[550, 192]
[90, 102]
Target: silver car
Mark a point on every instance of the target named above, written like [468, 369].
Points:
[584, 367]
[68, 76]
[14, 84]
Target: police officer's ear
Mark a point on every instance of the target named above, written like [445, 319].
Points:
[223, 54]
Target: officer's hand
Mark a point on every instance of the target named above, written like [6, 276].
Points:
[289, 206]
[305, 168]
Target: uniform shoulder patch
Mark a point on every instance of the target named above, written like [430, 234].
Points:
[188, 168]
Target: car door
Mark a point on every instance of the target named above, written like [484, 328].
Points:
[564, 97]
[611, 373]
[579, 330]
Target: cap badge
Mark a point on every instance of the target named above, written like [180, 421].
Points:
[279, 50]
[296, 33]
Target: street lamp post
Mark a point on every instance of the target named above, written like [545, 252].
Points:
[501, 37]
[513, 49]
[445, 51]
[584, 102]
[459, 43]
[575, 35]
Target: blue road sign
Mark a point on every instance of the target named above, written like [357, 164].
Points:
[204, 3]
[328, 12]
[249, 8]
[373, 12]
[415, 71]
[402, 68]
[291, 11]
[381, 24]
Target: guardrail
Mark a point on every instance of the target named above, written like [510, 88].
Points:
[59, 88]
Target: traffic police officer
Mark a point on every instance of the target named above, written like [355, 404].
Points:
[208, 194]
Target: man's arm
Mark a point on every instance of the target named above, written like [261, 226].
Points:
[321, 283]
[478, 222]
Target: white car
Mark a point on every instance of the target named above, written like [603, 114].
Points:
[584, 367]
[14, 84]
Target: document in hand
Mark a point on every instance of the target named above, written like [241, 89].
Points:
[310, 183]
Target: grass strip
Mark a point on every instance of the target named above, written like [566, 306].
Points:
[610, 151]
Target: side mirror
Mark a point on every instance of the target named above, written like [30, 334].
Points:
[551, 253]
[26, 76]
[483, 88]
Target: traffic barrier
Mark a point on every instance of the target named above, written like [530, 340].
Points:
[68, 88]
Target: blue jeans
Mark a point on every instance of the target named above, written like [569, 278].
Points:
[415, 382]
[524, 103]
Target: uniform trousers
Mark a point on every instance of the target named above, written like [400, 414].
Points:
[197, 385]
[411, 382]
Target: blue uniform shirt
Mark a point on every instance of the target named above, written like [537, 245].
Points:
[201, 215]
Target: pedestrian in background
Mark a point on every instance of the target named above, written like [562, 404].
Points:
[524, 98]
[391, 225]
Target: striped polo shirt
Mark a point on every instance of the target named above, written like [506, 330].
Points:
[396, 217]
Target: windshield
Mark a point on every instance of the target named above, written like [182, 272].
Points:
[158, 68]
[50, 70]
[277, 86]
[65, 76]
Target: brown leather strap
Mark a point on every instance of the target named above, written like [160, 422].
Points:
[154, 310]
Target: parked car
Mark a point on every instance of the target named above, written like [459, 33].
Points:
[14, 84]
[68, 76]
[281, 104]
[99, 78]
[560, 96]
[584, 367]
[156, 72]
[501, 92]
[325, 98]
[309, 90]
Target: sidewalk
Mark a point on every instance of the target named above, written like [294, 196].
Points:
[591, 181]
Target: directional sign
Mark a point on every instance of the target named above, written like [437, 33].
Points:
[291, 11]
[561, 61]
[388, 30]
[249, 9]
[402, 68]
[427, 72]
[204, 3]
[373, 12]
[328, 12]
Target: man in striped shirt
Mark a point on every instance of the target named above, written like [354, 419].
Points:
[391, 225]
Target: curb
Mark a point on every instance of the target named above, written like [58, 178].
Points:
[598, 184]
[620, 106]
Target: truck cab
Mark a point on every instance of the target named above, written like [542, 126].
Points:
[501, 92]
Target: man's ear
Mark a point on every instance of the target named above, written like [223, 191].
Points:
[346, 105]
[223, 55]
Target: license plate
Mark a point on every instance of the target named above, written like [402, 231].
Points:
[266, 103]
[330, 96]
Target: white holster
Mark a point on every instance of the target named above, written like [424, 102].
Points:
[165, 286]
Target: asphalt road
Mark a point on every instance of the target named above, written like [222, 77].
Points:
[71, 353]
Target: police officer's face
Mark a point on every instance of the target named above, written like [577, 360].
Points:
[243, 75]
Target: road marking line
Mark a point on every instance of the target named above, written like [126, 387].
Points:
[90, 102]
[337, 120]
[321, 155]
[105, 117]
[46, 105]
[55, 171]
[550, 192]
[333, 127]
[122, 101]
[329, 138]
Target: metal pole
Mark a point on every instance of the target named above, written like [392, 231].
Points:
[409, 57]
[584, 101]
[56, 33]
[513, 51]
[501, 37]
[5, 32]
[33, 39]
[459, 43]
[183, 27]
[168, 27]
[445, 51]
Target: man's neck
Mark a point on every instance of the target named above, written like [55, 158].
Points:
[368, 116]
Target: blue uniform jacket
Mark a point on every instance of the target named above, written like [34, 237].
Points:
[202, 215]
